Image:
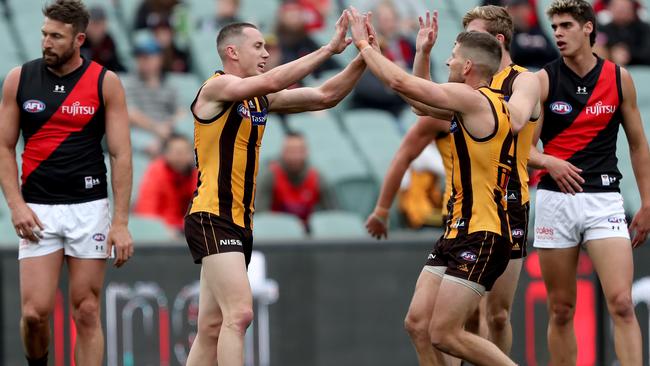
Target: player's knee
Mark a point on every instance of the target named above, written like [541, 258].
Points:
[239, 319]
[86, 314]
[415, 326]
[498, 319]
[621, 306]
[562, 313]
[444, 341]
[210, 329]
[34, 318]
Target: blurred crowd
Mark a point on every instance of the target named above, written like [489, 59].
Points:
[160, 35]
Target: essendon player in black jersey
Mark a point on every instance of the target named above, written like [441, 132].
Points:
[585, 99]
[63, 105]
[230, 113]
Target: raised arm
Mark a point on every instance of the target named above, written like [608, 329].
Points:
[417, 138]
[424, 42]
[325, 96]
[119, 149]
[232, 88]
[23, 218]
[451, 96]
[640, 156]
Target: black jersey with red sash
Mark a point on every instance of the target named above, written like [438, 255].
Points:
[62, 120]
[581, 122]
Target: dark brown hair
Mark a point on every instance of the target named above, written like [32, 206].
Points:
[580, 10]
[72, 12]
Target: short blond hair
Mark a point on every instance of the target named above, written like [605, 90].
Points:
[497, 20]
[580, 10]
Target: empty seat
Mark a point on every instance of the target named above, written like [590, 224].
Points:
[275, 225]
[336, 224]
[149, 230]
[377, 136]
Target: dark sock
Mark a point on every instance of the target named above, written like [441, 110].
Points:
[42, 361]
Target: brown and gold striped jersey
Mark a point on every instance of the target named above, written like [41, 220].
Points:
[480, 172]
[227, 156]
[443, 143]
[518, 185]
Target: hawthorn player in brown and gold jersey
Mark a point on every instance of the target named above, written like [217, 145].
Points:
[230, 114]
[495, 21]
[518, 196]
[484, 118]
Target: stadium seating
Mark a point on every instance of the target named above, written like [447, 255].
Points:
[376, 135]
[342, 167]
[149, 230]
[274, 226]
[336, 224]
[629, 190]
[272, 140]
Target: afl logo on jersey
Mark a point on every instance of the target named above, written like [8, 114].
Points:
[561, 107]
[34, 106]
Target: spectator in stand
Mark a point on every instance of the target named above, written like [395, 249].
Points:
[168, 184]
[227, 11]
[370, 92]
[625, 39]
[293, 39]
[174, 59]
[291, 185]
[150, 12]
[407, 11]
[533, 20]
[152, 102]
[313, 13]
[530, 46]
[99, 45]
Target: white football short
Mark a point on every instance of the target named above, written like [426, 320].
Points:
[80, 229]
[563, 220]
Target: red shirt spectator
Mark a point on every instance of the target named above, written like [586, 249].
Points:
[168, 184]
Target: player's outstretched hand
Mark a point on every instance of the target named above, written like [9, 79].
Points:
[26, 223]
[566, 175]
[358, 27]
[339, 41]
[640, 226]
[120, 238]
[372, 34]
[377, 225]
[428, 32]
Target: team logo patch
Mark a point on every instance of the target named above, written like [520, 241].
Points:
[259, 118]
[34, 106]
[243, 111]
[561, 107]
[454, 125]
[99, 237]
[616, 220]
[517, 233]
[468, 256]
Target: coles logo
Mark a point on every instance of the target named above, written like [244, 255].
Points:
[561, 107]
[33, 106]
[468, 256]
